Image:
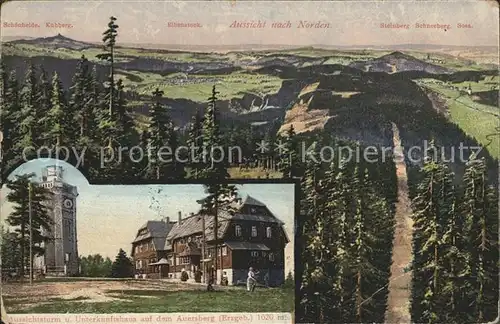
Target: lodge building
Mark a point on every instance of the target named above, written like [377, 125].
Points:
[250, 236]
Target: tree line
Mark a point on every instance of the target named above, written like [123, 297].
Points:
[345, 241]
[455, 243]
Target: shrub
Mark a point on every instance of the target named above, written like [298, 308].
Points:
[289, 281]
[184, 276]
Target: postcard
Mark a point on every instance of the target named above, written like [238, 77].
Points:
[250, 162]
[147, 253]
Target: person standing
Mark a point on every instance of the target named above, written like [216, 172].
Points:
[251, 280]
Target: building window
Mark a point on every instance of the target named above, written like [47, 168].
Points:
[254, 254]
[224, 250]
[254, 231]
[268, 232]
[237, 230]
[271, 257]
[264, 254]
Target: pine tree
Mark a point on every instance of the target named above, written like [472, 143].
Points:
[195, 145]
[480, 208]
[162, 135]
[58, 119]
[373, 230]
[289, 163]
[125, 121]
[91, 137]
[10, 117]
[311, 304]
[432, 208]
[19, 218]
[43, 106]
[343, 199]
[219, 201]
[80, 99]
[122, 266]
[214, 171]
[28, 115]
[109, 40]
[10, 252]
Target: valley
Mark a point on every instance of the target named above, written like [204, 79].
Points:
[343, 89]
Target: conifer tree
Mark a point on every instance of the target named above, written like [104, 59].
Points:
[432, 208]
[122, 267]
[214, 171]
[313, 300]
[19, 217]
[59, 121]
[480, 209]
[10, 115]
[219, 201]
[10, 251]
[289, 163]
[91, 137]
[81, 99]
[162, 139]
[43, 106]
[195, 145]
[343, 199]
[28, 115]
[109, 40]
[125, 121]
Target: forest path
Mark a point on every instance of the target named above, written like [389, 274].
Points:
[398, 305]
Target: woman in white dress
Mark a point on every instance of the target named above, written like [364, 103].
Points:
[251, 281]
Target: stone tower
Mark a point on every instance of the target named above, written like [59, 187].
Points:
[61, 252]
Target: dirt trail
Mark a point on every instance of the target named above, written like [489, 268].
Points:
[400, 282]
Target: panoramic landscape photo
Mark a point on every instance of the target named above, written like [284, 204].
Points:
[389, 121]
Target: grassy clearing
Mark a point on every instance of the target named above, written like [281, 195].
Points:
[233, 300]
[475, 119]
[253, 173]
[199, 87]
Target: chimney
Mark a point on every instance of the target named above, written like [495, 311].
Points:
[191, 214]
[180, 218]
[167, 220]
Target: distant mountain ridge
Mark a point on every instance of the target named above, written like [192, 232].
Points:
[57, 41]
[247, 47]
[398, 62]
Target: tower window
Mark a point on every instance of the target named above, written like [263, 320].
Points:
[254, 231]
[268, 232]
[237, 230]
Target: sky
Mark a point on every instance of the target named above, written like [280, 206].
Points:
[108, 217]
[352, 23]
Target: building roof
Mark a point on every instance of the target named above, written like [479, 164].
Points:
[247, 246]
[157, 230]
[248, 200]
[194, 224]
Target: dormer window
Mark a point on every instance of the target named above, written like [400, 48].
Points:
[269, 232]
[237, 230]
[271, 257]
[253, 210]
[254, 231]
